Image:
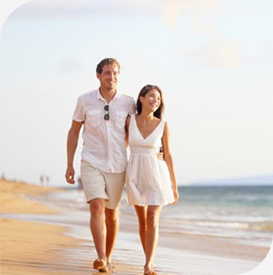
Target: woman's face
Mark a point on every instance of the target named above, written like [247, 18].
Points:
[151, 101]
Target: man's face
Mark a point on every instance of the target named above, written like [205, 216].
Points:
[109, 77]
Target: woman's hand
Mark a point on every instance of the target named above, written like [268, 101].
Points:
[176, 196]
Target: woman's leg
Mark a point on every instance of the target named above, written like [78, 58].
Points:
[151, 240]
[142, 223]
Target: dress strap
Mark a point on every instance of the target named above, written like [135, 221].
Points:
[162, 122]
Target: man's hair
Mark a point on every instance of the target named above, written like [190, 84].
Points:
[107, 61]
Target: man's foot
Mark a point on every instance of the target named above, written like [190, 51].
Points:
[100, 265]
[108, 268]
[104, 269]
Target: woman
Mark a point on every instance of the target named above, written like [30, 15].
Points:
[150, 182]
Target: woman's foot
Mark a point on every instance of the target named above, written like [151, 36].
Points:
[149, 270]
[111, 267]
[150, 273]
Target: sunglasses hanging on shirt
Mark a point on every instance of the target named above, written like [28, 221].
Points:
[106, 109]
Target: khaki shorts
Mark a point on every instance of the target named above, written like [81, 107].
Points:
[97, 184]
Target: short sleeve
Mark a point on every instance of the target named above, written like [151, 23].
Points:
[79, 113]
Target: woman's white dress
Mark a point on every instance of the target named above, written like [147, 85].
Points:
[147, 178]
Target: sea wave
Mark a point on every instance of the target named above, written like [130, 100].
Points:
[265, 226]
[261, 226]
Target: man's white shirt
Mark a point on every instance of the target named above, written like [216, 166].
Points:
[104, 140]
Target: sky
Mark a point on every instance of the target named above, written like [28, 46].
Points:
[213, 60]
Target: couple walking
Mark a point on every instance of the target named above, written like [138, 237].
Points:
[110, 124]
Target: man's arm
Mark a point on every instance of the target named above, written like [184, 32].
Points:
[127, 123]
[72, 142]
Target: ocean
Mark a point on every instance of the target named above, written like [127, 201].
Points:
[209, 225]
[242, 212]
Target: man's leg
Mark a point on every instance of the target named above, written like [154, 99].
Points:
[112, 226]
[97, 226]
[114, 189]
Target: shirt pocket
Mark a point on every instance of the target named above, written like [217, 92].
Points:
[93, 118]
[120, 119]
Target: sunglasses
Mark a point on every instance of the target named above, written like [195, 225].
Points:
[106, 109]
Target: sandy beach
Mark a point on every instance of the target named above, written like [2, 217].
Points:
[33, 247]
[45, 231]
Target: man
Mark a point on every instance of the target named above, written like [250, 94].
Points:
[103, 113]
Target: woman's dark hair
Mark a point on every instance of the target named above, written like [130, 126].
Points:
[159, 112]
[107, 61]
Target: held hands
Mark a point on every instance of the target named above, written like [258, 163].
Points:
[69, 175]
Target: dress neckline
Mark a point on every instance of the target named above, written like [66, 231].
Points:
[144, 138]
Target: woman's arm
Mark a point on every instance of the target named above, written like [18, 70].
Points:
[169, 160]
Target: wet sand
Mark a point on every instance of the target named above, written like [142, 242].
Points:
[46, 231]
[199, 254]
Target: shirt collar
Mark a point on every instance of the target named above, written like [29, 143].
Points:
[99, 96]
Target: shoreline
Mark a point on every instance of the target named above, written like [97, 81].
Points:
[62, 216]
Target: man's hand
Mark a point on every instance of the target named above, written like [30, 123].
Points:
[72, 140]
[160, 156]
[69, 175]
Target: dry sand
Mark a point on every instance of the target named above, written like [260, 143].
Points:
[35, 248]
[13, 197]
